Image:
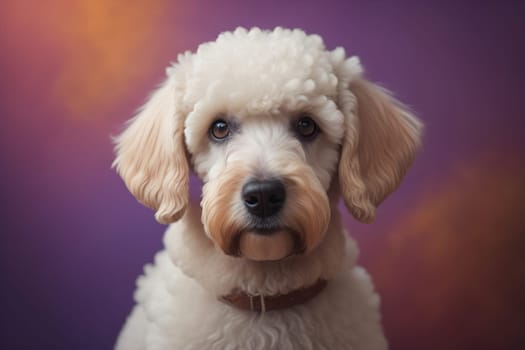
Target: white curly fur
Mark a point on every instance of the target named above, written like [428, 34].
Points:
[260, 81]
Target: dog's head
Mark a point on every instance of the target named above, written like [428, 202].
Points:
[275, 126]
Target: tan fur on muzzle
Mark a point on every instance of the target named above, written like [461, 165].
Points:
[303, 220]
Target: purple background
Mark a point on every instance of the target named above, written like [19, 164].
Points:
[446, 251]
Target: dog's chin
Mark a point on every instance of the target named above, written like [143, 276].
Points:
[267, 246]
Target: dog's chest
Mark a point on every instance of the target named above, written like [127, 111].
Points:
[182, 315]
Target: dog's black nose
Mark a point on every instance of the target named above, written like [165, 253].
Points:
[264, 198]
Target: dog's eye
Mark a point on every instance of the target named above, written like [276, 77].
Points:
[219, 130]
[306, 128]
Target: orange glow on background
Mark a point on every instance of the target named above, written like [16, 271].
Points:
[103, 49]
[454, 265]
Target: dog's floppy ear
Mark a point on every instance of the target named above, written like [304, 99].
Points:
[151, 157]
[380, 142]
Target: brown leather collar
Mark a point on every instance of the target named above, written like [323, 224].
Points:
[262, 303]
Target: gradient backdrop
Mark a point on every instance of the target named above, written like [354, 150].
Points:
[446, 252]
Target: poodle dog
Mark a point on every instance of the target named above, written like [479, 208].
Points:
[277, 128]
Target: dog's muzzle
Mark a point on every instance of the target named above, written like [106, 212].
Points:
[265, 239]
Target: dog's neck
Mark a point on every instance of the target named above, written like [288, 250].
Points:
[195, 254]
